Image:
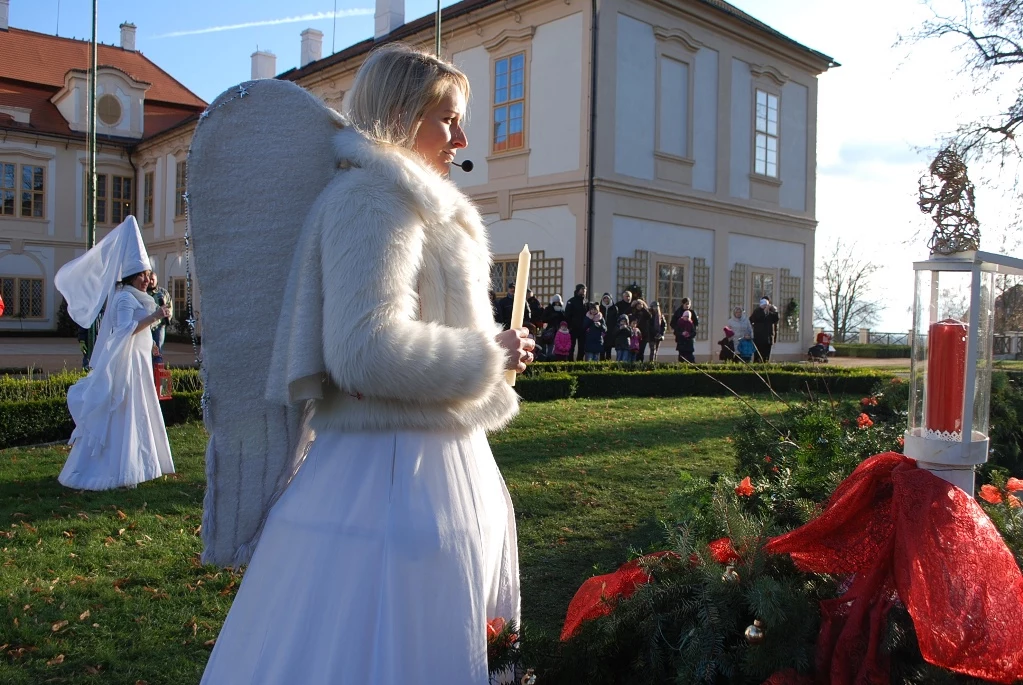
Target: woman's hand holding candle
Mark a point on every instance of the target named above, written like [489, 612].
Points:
[519, 347]
[519, 306]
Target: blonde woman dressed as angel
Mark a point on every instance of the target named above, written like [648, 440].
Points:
[394, 542]
[119, 438]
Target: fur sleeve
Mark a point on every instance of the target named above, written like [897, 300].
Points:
[372, 343]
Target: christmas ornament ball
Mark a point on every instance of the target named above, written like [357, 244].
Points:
[755, 634]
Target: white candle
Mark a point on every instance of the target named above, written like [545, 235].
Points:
[519, 303]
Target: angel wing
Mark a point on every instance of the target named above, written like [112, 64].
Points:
[260, 155]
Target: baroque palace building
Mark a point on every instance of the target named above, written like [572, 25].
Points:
[667, 146]
[664, 145]
[145, 120]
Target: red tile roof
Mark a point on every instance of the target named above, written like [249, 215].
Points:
[44, 60]
[32, 70]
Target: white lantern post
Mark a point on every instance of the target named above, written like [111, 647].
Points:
[950, 370]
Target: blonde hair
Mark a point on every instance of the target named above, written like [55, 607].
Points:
[395, 87]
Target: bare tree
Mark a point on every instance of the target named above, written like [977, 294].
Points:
[990, 35]
[843, 300]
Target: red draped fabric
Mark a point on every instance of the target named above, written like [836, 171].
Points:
[910, 536]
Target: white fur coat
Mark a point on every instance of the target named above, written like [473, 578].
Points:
[387, 312]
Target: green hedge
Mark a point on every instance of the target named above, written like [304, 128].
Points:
[873, 351]
[675, 384]
[596, 380]
[551, 386]
[55, 385]
[575, 368]
[30, 422]
[35, 411]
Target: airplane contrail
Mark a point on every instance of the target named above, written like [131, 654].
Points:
[356, 12]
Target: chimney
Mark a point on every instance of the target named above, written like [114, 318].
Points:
[312, 46]
[389, 16]
[264, 64]
[5, 7]
[128, 36]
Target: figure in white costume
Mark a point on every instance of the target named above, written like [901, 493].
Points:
[119, 438]
[395, 541]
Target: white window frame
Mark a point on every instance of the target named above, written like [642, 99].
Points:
[766, 133]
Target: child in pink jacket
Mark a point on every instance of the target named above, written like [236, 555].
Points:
[562, 343]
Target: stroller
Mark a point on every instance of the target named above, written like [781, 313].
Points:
[820, 351]
[744, 350]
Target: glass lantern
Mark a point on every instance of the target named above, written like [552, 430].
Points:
[950, 370]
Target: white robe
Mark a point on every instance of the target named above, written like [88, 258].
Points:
[119, 438]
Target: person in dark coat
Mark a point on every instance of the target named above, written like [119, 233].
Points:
[595, 330]
[764, 319]
[685, 334]
[621, 337]
[643, 318]
[624, 305]
[658, 324]
[575, 313]
[684, 306]
[535, 315]
[505, 306]
[552, 318]
[493, 305]
[609, 310]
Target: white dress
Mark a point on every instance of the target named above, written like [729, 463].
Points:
[380, 536]
[119, 439]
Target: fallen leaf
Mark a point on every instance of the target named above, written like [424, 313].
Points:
[93, 670]
[227, 590]
[209, 643]
[121, 515]
[82, 515]
[58, 625]
[120, 532]
[59, 659]
[158, 517]
[84, 615]
[95, 625]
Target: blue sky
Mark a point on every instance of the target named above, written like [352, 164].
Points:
[879, 115]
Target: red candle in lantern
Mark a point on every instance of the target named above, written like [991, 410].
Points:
[946, 376]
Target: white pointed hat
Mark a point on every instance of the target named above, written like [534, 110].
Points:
[87, 281]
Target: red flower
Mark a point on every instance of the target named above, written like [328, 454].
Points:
[744, 488]
[775, 469]
[869, 402]
[494, 628]
[722, 551]
[767, 460]
[1014, 485]
[991, 494]
[901, 440]
[863, 421]
[1014, 502]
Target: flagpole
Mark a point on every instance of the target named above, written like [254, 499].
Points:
[90, 198]
[437, 49]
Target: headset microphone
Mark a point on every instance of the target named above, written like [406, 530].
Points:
[466, 166]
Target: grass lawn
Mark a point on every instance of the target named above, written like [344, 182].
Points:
[107, 587]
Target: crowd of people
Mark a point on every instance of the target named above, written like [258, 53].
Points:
[631, 330]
